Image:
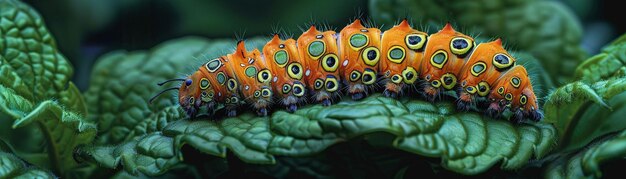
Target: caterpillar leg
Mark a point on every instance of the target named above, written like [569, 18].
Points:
[464, 102]
[261, 107]
[326, 102]
[290, 103]
[495, 109]
[191, 112]
[262, 111]
[517, 117]
[431, 93]
[323, 98]
[292, 108]
[357, 91]
[392, 90]
[535, 115]
[231, 110]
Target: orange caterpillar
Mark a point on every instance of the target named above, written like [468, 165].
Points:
[319, 66]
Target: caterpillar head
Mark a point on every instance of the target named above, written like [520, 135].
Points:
[514, 91]
[194, 92]
[360, 57]
[402, 51]
[482, 70]
[443, 59]
[254, 76]
[287, 66]
[318, 51]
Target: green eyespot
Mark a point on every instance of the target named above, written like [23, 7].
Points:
[281, 58]
[396, 54]
[358, 41]
[316, 49]
[439, 59]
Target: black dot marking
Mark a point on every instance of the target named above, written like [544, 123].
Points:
[395, 78]
[354, 76]
[331, 61]
[414, 40]
[297, 90]
[409, 75]
[447, 80]
[367, 77]
[188, 82]
[265, 75]
[371, 54]
[281, 46]
[502, 59]
[482, 88]
[459, 44]
[295, 69]
[330, 85]
[266, 93]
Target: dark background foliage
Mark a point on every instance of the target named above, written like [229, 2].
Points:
[87, 29]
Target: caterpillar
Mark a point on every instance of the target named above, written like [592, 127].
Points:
[319, 66]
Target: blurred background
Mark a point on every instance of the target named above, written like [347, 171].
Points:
[87, 29]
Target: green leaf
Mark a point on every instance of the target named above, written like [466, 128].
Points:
[122, 83]
[41, 111]
[151, 155]
[61, 130]
[610, 63]
[30, 51]
[547, 29]
[594, 105]
[13, 167]
[588, 162]
[466, 142]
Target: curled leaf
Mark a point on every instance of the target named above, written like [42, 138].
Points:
[588, 163]
[594, 105]
[13, 167]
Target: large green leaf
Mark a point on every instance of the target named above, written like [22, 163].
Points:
[30, 50]
[594, 105]
[547, 29]
[41, 111]
[466, 142]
